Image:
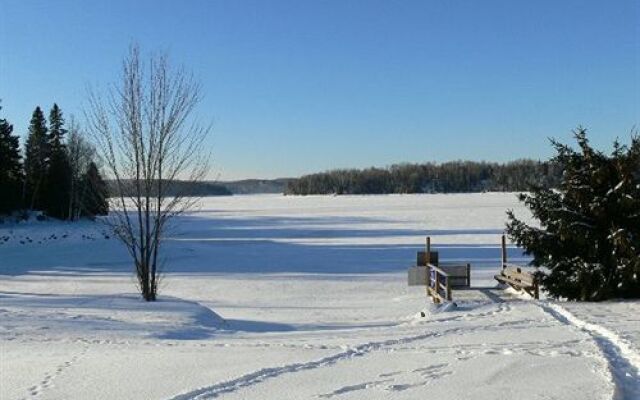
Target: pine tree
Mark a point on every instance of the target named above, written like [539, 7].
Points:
[588, 237]
[94, 193]
[36, 161]
[56, 129]
[10, 169]
[58, 182]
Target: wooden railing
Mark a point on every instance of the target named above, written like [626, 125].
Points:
[439, 279]
[439, 287]
[444, 278]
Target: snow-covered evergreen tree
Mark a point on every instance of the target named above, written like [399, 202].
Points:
[588, 238]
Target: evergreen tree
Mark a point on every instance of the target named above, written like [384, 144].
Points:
[588, 237]
[10, 169]
[36, 161]
[56, 129]
[58, 182]
[94, 193]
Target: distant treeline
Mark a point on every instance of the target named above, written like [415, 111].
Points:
[449, 177]
[251, 186]
[217, 188]
[183, 188]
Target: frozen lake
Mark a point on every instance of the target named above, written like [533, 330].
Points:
[285, 234]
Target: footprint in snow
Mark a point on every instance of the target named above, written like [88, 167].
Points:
[353, 388]
[389, 374]
[36, 390]
[434, 372]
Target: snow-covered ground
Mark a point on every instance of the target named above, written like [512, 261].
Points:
[273, 297]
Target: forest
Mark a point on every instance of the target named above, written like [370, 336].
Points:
[448, 177]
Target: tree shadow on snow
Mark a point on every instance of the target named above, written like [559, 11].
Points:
[206, 245]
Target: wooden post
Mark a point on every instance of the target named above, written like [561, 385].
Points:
[427, 255]
[426, 262]
[448, 294]
[504, 251]
[469, 274]
[437, 288]
[428, 273]
[536, 290]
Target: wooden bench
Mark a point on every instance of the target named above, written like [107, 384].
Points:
[513, 276]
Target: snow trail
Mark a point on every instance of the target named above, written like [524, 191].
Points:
[624, 362]
[253, 378]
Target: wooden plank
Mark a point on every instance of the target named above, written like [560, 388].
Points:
[454, 270]
[438, 297]
[438, 288]
[512, 265]
[435, 296]
[457, 275]
[509, 270]
[504, 250]
[510, 281]
[532, 290]
[438, 270]
[459, 282]
[521, 275]
[526, 279]
[516, 283]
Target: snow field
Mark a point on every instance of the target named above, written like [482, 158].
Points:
[273, 297]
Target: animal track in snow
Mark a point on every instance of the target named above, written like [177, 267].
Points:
[36, 391]
[388, 374]
[433, 372]
[353, 388]
[427, 375]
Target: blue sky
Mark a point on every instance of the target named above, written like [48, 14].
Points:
[301, 86]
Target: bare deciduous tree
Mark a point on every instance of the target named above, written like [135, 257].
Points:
[148, 140]
[81, 153]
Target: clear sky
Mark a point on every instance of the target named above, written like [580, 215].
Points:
[302, 86]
